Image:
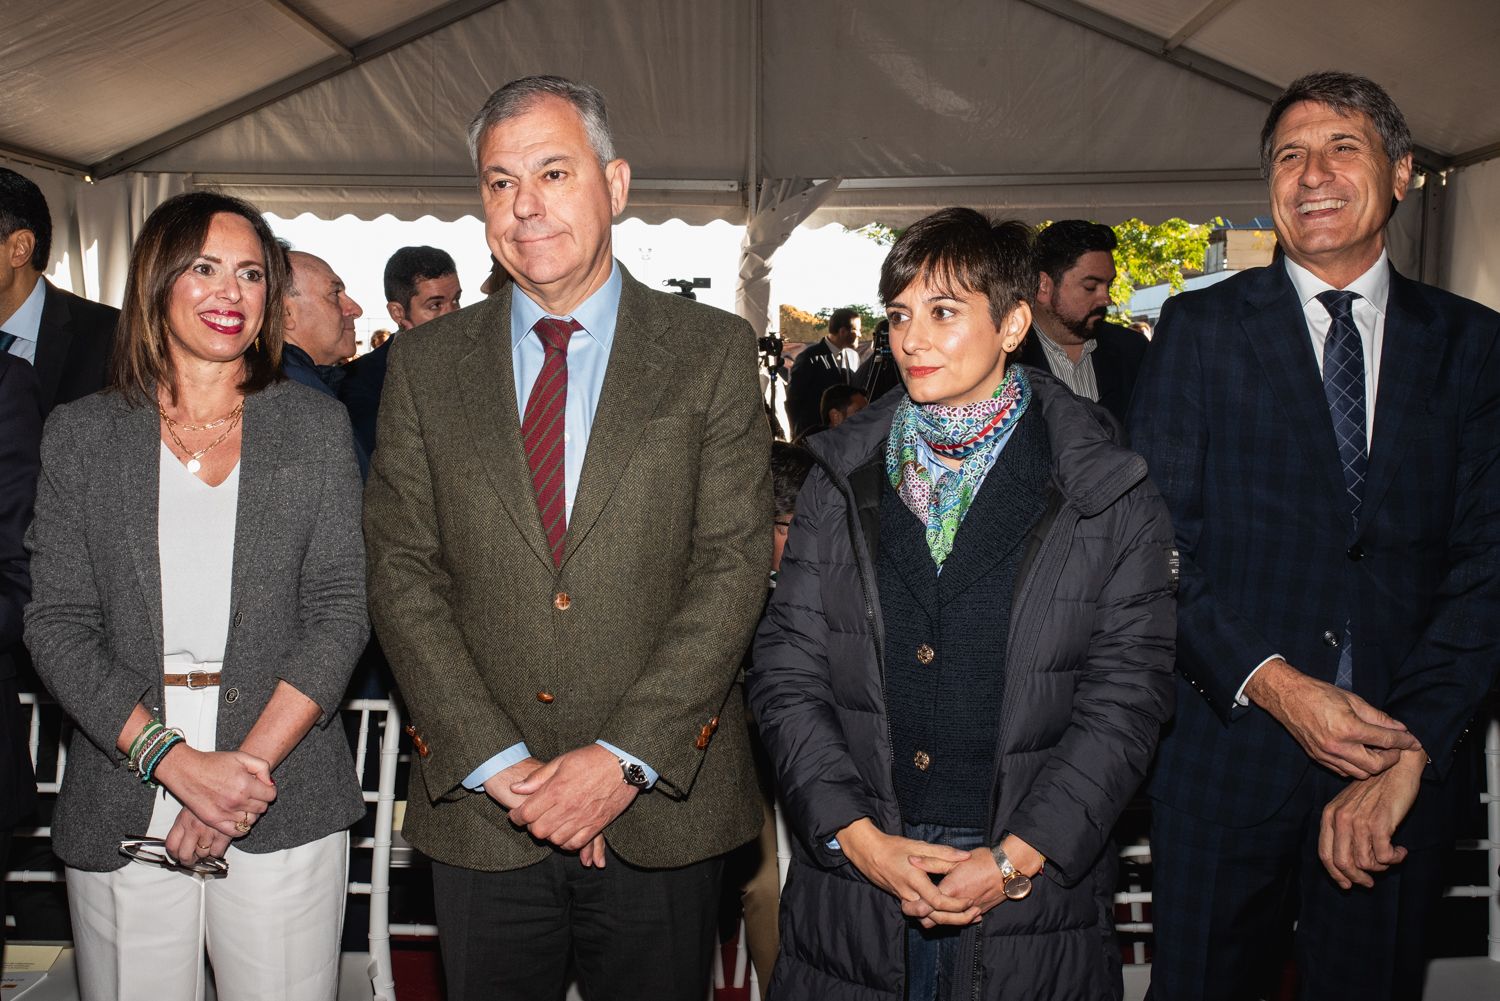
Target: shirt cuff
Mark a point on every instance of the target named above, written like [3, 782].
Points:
[1239, 696]
[833, 845]
[630, 759]
[514, 754]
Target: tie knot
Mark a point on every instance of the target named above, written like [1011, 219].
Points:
[1340, 305]
[555, 333]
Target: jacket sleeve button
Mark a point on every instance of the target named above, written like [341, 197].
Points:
[545, 698]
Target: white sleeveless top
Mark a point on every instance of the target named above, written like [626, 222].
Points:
[195, 536]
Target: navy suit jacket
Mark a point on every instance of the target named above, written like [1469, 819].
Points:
[73, 347]
[20, 460]
[1117, 363]
[1230, 414]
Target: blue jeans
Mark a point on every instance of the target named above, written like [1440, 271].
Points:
[932, 953]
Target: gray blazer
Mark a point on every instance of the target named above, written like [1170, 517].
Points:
[298, 607]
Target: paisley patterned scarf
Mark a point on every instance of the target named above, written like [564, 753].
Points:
[968, 433]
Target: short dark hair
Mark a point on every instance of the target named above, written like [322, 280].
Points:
[23, 207]
[411, 265]
[1060, 245]
[959, 248]
[837, 398]
[168, 244]
[842, 319]
[1345, 93]
[790, 465]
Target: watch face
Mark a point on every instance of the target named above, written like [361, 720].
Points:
[1017, 887]
[634, 774]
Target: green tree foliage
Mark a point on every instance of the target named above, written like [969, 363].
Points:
[1156, 255]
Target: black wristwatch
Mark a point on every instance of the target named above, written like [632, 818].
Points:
[635, 775]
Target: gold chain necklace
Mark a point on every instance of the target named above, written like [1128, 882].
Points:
[195, 458]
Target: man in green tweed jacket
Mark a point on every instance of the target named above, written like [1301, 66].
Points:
[566, 523]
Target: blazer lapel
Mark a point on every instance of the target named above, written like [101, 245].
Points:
[1277, 330]
[633, 383]
[54, 340]
[138, 472]
[487, 382]
[261, 443]
[1410, 358]
[904, 540]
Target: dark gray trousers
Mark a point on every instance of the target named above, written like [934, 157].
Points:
[631, 934]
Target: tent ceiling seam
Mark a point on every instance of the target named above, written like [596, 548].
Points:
[307, 24]
[1198, 22]
[1205, 66]
[413, 30]
[45, 160]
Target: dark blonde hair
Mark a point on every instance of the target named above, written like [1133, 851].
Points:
[167, 246]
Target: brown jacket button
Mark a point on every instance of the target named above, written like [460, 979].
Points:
[925, 654]
[562, 602]
[922, 760]
[417, 741]
[545, 697]
[702, 742]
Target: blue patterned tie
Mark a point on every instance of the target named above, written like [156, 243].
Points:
[1344, 386]
[6, 340]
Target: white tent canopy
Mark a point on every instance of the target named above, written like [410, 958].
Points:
[1035, 108]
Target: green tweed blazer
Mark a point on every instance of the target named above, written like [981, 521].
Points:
[636, 638]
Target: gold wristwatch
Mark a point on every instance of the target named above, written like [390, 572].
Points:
[1017, 885]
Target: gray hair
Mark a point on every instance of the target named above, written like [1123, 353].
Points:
[1346, 94]
[517, 97]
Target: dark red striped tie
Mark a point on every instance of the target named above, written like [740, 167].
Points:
[542, 429]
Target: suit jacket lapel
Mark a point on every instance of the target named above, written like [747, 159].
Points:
[1411, 355]
[261, 443]
[1277, 330]
[54, 340]
[487, 384]
[138, 472]
[633, 383]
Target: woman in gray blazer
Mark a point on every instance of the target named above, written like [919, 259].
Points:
[198, 605]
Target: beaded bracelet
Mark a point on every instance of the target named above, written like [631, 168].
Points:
[148, 771]
[149, 747]
[133, 758]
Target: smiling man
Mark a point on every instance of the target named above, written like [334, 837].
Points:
[1325, 433]
[566, 532]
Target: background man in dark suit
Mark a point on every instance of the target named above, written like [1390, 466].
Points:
[1326, 433]
[566, 522]
[20, 459]
[66, 338]
[829, 362]
[1071, 337]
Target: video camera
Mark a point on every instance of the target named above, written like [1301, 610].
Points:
[685, 286]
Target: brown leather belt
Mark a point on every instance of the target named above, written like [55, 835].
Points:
[193, 680]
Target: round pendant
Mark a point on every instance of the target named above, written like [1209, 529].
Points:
[193, 465]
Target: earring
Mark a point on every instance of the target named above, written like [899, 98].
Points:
[257, 342]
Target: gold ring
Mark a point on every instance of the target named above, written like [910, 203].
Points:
[204, 848]
[243, 826]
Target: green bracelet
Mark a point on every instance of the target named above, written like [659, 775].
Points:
[132, 759]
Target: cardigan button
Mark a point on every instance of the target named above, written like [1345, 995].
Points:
[562, 602]
[922, 760]
[925, 654]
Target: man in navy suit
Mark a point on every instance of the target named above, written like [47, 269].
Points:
[1327, 435]
[66, 338]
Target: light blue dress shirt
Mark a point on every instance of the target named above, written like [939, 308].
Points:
[26, 323]
[588, 359]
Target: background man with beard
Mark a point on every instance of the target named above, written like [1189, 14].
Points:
[1070, 336]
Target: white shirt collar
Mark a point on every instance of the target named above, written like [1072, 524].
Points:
[26, 322]
[1374, 285]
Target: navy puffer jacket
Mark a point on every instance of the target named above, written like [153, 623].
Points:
[1088, 687]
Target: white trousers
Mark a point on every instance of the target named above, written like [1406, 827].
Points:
[271, 928]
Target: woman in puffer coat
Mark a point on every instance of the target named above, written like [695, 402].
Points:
[963, 671]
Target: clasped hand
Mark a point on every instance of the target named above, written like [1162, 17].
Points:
[904, 867]
[220, 792]
[1338, 729]
[567, 801]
